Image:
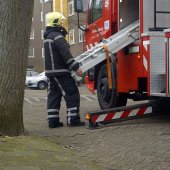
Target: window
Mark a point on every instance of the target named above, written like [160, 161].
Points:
[42, 34]
[71, 8]
[71, 36]
[41, 16]
[80, 35]
[41, 1]
[32, 34]
[31, 52]
[95, 10]
[45, 17]
[46, 1]
[42, 52]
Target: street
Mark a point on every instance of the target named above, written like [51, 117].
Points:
[130, 145]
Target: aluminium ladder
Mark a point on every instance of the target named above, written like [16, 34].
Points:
[116, 42]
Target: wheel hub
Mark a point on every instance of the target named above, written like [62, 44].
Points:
[104, 90]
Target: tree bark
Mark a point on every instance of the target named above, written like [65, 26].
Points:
[15, 26]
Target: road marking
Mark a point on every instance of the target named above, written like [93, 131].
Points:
[87, 98]
[44, 98]
[93, 96]
[28, 100]
[32, 100]
[37, 99]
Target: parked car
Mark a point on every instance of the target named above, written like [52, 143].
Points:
[39, 81]
[30, 73]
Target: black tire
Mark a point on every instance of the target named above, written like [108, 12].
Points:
[108, 98]
[42, 85]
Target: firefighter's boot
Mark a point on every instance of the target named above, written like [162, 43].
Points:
[76, 124]
[73, 117]
[54, 123]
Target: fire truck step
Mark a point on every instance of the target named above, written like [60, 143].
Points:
[119, 114]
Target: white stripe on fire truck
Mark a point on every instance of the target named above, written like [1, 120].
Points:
[95, 43]
[117, 115]
[145, 63]
[91, 45]
[133, 112]
[148, 110]
[145, 43]
[87, 47]
[101, 118]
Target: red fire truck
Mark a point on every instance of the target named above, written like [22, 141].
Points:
[135, 35]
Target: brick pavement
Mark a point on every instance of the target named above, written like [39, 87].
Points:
[141, 144]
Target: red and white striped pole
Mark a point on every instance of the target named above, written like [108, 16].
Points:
[119, 113]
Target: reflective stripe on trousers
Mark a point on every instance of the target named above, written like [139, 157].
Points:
[72, 113]
[64, 86]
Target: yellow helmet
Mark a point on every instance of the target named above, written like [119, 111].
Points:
[54, 18]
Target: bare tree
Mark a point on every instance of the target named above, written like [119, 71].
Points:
[15, 26]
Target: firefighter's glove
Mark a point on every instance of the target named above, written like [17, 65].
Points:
[79, 72]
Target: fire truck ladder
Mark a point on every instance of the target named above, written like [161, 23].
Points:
[114, 43]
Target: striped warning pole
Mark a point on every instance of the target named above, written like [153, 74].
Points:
[119, 114]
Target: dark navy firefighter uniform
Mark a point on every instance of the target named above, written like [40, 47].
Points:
[58, 64]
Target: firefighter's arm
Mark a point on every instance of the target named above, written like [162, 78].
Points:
[65, 53]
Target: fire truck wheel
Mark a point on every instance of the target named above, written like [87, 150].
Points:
[108, 98]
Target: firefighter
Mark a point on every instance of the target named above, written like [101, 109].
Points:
[58, 64]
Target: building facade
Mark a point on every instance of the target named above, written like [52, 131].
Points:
[35, 49]
[74, 37]
[36, 53]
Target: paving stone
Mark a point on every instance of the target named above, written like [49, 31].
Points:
[141, 144]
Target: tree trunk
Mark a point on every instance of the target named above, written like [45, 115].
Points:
[15, 26]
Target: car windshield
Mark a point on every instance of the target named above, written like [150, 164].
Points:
[41, 74]
[31, 73]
